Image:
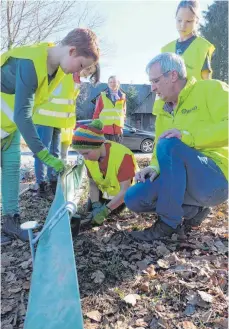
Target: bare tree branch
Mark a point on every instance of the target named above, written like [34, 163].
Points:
[25, 22]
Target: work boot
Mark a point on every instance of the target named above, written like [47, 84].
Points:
[45, 191]
[5, 239]
[53, 184]
[157, 231]
[196, 220]
[11, 227]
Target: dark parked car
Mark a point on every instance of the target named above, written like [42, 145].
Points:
[134, 139]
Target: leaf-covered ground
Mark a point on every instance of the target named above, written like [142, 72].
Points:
[125, 284]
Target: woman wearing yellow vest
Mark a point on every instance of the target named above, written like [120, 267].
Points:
[28, 75]
[111, 168]
[62, 106]
[111, 110]
[196, 51]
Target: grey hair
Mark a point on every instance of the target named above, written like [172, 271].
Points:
[169, 62]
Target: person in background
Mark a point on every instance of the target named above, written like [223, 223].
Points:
[196, 51]
[188, 172]
[110, 166]
[66, 133]
[110, 109]
[59, 112]
[29, 74]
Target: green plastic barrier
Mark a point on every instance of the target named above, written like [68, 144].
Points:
[54, 299]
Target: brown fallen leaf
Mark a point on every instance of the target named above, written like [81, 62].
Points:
[144, 286]
[150, 271]
[131, 299]
[163, 263]
[94, 315]
[187, 325]
[205, 296]
[159, 307]
[26, 285]
[222, 323]
[141, 323]
[220, 214]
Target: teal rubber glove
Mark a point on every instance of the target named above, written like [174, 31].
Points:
[102, 213]
[50, 160]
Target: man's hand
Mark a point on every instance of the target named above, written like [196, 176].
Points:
[148, 171]
[101, 214]
[171, 133]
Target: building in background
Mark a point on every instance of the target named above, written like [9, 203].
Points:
[141, 116]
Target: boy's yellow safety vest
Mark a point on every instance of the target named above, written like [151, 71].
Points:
[60, 110]
[38, 54]
[110, 183]
[112, 114]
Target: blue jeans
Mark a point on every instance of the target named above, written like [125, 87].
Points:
[188, 180]
[50, 137]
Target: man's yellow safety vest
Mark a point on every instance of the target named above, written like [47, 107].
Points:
[110, 183]
[38, 54]
[194, 56]
[201, 114]
[112, 114]
[60, 110]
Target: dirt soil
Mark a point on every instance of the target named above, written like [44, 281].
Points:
[125, 284]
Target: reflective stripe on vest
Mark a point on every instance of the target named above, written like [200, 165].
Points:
[4, 133]
[60, 109]
[62, 101]
[109, 118]
[112, 114]
[55, 114]
[7, 110]
[113, 110]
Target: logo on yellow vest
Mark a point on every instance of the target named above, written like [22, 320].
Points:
[185, 111]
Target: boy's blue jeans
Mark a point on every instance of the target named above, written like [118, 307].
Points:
[188, 180]
[50, 137]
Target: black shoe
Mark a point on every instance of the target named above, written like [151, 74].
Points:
[196, 220]
[45, 191]
[157, 231]
[11, 227]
